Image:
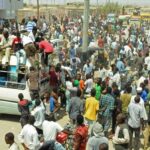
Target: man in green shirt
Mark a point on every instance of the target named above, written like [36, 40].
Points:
[98, 89]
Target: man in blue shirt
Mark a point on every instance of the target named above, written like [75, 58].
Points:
[120, 65]
[88, 68]
[143, 93]
[72, 52]
[52, 104]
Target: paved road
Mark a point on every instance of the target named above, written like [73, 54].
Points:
[9, 123]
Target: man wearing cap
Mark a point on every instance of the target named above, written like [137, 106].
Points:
[98, 137]
[137, 117]
[141, 103]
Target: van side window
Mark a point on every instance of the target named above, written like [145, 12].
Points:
[12, 80]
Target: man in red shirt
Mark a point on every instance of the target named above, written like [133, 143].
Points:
[100, 42]
[17, 47]
[17, 43]
[80, 135]
[23, 107]
[46, 49]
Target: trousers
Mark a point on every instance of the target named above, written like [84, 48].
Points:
[136, 143]
[146, 134]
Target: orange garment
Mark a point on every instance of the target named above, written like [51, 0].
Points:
[81, 85]
[80, 137]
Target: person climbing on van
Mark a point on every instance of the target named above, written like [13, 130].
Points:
[23, 107]
[33, 78]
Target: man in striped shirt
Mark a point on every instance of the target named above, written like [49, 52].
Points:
[106, 109]
[30, 25]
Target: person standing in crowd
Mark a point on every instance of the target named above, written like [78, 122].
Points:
[23, 107]
[39, 115]
[17, 47]
[46, 48]
[100, 42]
[54, 104]
[97, 137]
[139, 61]
[117, 108]
[53, 77]
[5, 44]
[102, 72]
[106, 109]
[135, 122]
[50, 128]
[32, 78]
[144, 93]
[146, 132]
[121, 137]
[80, 134]
[88, 68]
[32, 34]
[72, 52]
[116, 78]
[30, 25]
[88, 84]
[75, 61]
[147, 61]
[141, 103]
[98, 89]
[62, 54]
[9, 139]
[76, 106]
[120, 65]
[81, 83]
[126, 98]
[29, 136]
[91, 110]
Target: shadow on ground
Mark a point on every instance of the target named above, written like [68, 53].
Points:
[7, 117]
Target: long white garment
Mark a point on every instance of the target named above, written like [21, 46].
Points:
[141, 103]
[29, 137]
[50, 130]
[14, 146]
[38, 113]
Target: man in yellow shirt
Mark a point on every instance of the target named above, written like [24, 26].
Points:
[125, 98]
[91, 109]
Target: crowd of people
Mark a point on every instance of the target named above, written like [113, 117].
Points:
[105, 91]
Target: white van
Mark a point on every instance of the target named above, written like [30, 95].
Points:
[9, 94]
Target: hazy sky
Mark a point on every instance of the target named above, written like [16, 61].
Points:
[133, 2]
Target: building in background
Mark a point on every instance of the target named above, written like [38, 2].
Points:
[92, 2]
[8, 8]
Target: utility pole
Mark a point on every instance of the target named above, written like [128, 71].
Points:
[85, 25]
[38, 12]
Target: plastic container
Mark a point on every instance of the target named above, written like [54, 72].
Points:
[2, 81]
[13, 60]
[13, 76]
[4, 60]
[61, 137]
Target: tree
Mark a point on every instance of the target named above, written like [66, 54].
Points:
[110, 8]
[38, 11]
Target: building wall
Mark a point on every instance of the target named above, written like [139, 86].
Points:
[8, 8]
